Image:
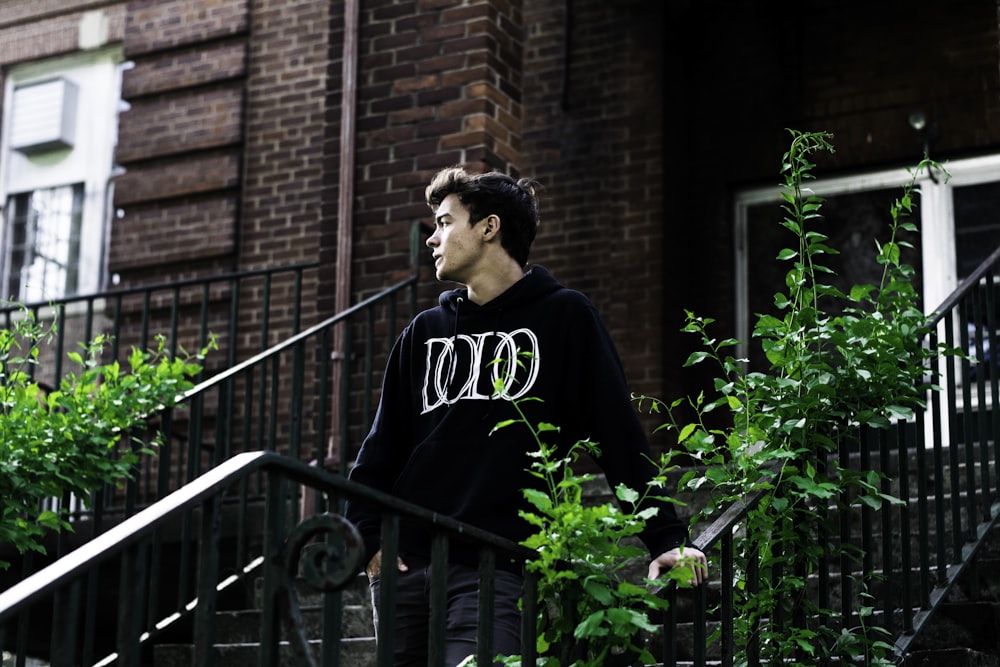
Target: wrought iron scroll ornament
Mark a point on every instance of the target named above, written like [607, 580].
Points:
[325, 552]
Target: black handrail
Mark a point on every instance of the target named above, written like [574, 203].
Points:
[286, 542]
[277, 400]
[940, 464]
[292, 342]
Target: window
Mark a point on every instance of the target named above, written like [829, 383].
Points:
[977, 226]
[42, 248]
[59, 130]
[958, 229]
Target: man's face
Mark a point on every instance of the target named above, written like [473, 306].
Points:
[456, 245]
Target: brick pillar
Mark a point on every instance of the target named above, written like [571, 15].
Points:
[594, 107]
[439, 84]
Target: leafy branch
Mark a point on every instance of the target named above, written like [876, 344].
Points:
[68, 441]
[592, 612]
[838, 364]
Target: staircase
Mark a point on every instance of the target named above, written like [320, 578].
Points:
[963, 631]
[103, 602]
[237, 631]
[966, 630]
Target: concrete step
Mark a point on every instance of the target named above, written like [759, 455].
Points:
[355, 593]
[239, 627]
[953, 657]
[237, 631]
[963, 625]
[356, 652]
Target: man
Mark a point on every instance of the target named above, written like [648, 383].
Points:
[433, 441]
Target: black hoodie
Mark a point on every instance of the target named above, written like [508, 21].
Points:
[431, 441]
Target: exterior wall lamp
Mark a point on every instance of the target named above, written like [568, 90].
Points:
[928, 131]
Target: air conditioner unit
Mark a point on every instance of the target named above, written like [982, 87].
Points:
[44, 116]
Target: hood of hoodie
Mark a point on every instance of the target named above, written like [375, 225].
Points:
[536, 283]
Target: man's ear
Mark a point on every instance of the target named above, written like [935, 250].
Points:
[492, 227]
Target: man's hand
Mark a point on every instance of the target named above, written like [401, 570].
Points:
[374, 567]
[683, 556]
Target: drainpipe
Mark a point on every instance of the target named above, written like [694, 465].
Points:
[337, 454]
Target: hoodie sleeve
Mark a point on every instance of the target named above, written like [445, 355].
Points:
[386, 447]
[602, 394]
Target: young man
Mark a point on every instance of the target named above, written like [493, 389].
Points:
[432, 440]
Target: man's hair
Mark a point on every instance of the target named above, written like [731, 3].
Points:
[493, 193]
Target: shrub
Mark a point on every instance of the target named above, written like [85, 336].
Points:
[69, 440]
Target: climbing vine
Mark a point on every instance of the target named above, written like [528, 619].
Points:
[839, 365]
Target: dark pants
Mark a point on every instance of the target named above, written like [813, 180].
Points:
[412, 614]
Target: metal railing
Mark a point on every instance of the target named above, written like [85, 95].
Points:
[269, 383]
[944, 465]
[279, 399]
[141, 611]
[243, 311]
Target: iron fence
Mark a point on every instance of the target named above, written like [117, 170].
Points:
[108, 602]
[942, 465]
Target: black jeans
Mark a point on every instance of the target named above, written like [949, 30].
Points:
[412, 613]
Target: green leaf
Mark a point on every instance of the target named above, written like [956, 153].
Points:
[591, 626]
[686, 432]
[625, 494]
[538, 499]
[504, 424]
[599, 591]
[696, 358]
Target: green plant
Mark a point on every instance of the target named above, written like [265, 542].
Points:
[592, 613]
[840, 364]
[69, 440]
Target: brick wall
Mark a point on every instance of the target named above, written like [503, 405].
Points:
[36, 30]
[593, 139]
[738, 74]
[638, 118]
[866, 77]
[223, 143]
[222, 147]
[286, 123]
[181, 140]
[439, 84]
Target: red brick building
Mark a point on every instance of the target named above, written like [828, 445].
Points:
[649, 125]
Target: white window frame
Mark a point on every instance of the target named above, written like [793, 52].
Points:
[97, 75]
[49, 264]
[936, 224]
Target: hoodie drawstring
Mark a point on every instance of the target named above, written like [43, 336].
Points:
[454, 350]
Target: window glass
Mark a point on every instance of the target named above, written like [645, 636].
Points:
[43, 247]
[977, 224]
[852, 221]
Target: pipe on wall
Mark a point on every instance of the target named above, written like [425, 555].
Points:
[337, 454]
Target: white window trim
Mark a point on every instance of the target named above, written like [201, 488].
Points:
[99, 166]
[936, 223]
